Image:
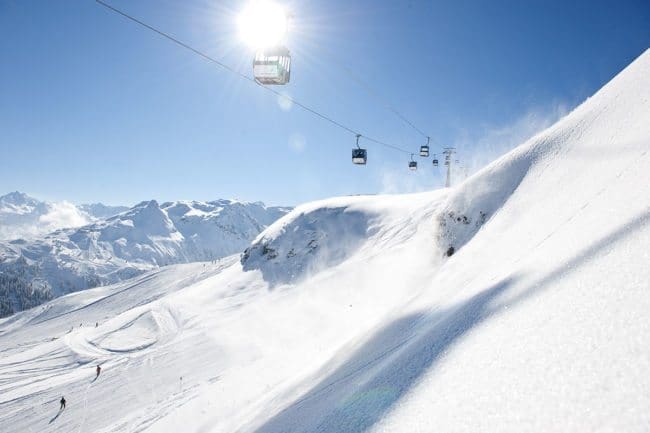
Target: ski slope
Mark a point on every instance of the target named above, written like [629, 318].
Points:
[346, 315]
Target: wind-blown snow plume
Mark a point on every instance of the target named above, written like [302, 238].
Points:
[493, 141]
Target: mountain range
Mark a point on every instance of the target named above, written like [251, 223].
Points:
[117, 247]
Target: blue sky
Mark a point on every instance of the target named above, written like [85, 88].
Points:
[95, 108]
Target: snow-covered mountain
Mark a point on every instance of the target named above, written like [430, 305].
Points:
[146, 236]
[22, 216]
[101, 211]
[353, 314]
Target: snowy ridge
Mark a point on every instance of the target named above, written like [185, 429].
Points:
[538, 322]
[101, 211]
[301, 243]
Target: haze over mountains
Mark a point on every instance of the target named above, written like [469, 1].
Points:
[115, 242]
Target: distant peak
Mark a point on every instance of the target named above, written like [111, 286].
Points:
[147, 204]
[16, 194]
[101, 210]
[17, 197]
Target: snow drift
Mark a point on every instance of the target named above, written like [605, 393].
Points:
[311, 238]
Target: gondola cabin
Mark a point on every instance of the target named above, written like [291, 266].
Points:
[424, 151]
[272, 66]
[413, 165]
[359, 156]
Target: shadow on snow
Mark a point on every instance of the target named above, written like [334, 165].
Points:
[358, 394]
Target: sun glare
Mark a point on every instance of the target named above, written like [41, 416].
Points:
[262, 24]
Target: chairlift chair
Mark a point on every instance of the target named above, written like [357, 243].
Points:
[272, 66]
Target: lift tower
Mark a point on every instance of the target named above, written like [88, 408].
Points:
[448, 152]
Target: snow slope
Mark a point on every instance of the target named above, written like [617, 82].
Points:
[538, 322]
[224, 320]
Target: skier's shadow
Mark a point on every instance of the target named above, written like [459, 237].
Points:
[56, 416]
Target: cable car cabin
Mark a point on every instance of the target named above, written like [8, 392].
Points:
[359, 156]
[272, 66]
[413, 165]
[424, 151]
[435, 162]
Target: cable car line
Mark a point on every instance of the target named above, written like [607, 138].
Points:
[382, 99]
[173, 39]
[378, 96]
[250, 79]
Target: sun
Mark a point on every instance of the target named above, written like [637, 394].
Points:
[262, 24]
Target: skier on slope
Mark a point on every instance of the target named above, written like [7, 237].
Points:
[62, 403]
[99, 370]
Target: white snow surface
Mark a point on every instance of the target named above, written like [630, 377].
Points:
[539, 321]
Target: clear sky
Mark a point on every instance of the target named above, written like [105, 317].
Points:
[96, 108]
